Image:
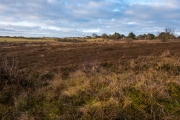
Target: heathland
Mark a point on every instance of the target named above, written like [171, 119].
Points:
[113, 80]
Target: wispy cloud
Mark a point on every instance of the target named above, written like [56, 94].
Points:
[73, 17]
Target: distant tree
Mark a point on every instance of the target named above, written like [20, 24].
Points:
[116, 36]
[163, 36]
[150, 36]
[104, 35]
[94, 35]
[167, 34]
[178, 37]
[122, 36]
[110, 36]
[141, 37]
[88, 37]
[132, 35]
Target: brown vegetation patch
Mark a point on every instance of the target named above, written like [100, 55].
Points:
[110, 80]
[82, 53]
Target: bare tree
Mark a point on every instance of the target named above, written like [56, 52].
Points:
[167, 34]
[169, 30]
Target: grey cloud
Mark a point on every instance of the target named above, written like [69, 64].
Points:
[72, 17]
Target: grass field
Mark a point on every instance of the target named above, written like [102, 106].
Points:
[90, 81]
[26, 40]
[3, 39]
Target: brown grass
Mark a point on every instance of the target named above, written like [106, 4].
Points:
[142, 86]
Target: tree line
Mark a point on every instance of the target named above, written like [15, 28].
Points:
[167, 34]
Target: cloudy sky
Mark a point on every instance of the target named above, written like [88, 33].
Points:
[65, 18]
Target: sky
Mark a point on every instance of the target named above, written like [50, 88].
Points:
[73, 18]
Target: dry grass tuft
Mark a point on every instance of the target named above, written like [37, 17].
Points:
[143, 88]
[166, 53]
